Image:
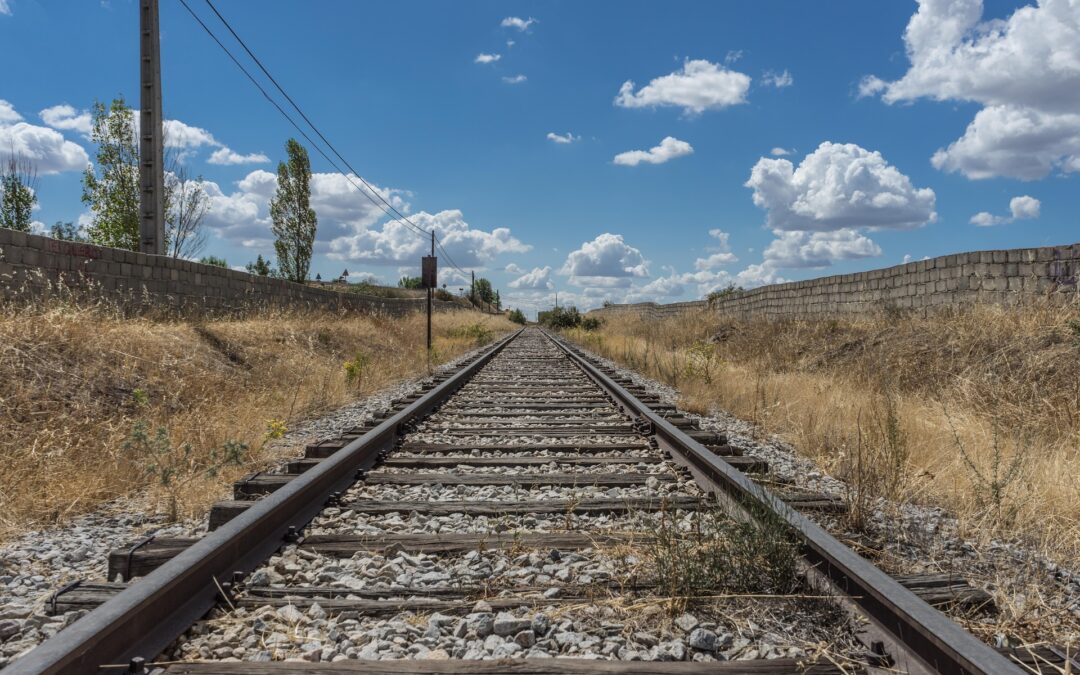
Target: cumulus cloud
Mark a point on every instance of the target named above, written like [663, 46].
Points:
[838, 186]
[45, 148]
[1022, 69]
[8, 115]
[184, 136]
[779, 152]
[512, 268]
[517, 22]
[67, 118]
[537, 279]
[1014, 141]
[5, 7]
[487, 58]
[606, 261]
[395, 243]
[778, 80]
[722, 256]
[818, 249]
[562, 138]
[229, 157]
[514, 79]
[698, 86]
[243, 215]
[669, 149]
[1023, 207]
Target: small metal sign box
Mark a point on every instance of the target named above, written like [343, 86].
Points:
[428, 272]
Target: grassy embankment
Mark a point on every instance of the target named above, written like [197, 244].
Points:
[93, 406]
[978, 412]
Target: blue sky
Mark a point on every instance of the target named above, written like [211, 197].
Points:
[607, 150]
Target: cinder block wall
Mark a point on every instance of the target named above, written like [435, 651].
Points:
[33, 266]
[950, 281]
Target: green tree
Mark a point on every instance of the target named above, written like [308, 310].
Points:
[498, 301]
[260, 267]
[66, 232]
[410, 282]
[113, 196]
[517, 316]
[17, 202]
[215, 261]
[294, 219]
[484, 292]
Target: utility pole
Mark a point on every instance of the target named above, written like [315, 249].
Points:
[430, 292]
[151, 147]
[472, 288]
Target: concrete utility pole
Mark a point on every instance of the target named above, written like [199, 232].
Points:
[430, 292]
[472, 288]
[151, 147]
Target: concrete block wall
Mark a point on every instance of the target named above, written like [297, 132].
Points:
[951, 281]
[33, 266]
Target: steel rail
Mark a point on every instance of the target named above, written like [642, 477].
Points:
[147, 616]
[910, 625]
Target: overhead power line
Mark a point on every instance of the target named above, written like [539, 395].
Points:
[385, 205]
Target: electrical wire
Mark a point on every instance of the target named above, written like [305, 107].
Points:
[392, 209]
[285, 114]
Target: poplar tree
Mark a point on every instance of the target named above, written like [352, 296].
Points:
[17, 200]
[113, 196]
[294, 220]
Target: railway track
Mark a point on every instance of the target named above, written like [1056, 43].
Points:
[528, 505]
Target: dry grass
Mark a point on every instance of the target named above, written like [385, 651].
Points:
[76, 382]
[977, 411]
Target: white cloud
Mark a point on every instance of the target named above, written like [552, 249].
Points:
[512, 268]
[510, 43]
[698, 86]
[661, 288]
[243, 216]
[227, 156]
[818, 249]
[838, 186]
[779, 152]
[537, 279]
[778, 80]
[1023, 69]
[395, 243]
[5, 7]
[46, 148]
[669, 148]
[986, 219]
[722, 256]
[870, 85]
[515, 79]
[180, 135]
[606, 261]
[67, 118]
[8, 115]
[562, 139]
[487, 58]
[1016, 142]
[517, 22]
[1023, 207]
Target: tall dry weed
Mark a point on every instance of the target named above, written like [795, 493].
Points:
[977, 411]
[78, 381]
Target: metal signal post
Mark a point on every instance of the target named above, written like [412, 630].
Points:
[151, 146]
[430, 280]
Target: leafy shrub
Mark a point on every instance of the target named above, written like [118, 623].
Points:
[517, 316]
[354, 369]
[478, 333]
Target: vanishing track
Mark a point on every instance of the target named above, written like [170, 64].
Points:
[511, 512]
